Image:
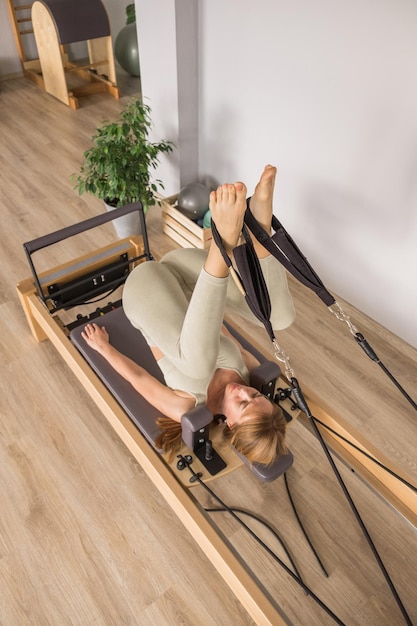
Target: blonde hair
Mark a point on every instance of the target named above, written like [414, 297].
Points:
[262, 438]
[169, 439]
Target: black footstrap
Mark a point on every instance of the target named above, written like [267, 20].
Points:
[284, 249]
[248, 276]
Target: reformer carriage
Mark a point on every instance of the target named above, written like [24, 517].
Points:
[68, 286]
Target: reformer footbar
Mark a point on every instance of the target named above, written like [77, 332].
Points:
[61, 294]
[249, 278]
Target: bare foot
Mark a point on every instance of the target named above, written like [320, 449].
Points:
[228, 205]
[261, 202]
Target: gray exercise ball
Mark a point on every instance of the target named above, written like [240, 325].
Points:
[193, 200]
[126, 49]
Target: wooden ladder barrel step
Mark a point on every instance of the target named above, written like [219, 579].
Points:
[17, 19]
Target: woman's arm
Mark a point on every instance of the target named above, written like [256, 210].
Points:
[171, 403]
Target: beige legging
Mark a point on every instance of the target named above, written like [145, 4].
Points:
[175, 301]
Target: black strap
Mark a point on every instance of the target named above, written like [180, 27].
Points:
[249, 274]
[249, 277]
[284, 249]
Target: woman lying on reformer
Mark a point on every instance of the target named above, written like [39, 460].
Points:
[179, 304]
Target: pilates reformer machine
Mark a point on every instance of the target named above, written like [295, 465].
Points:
[55, 25]
[205, 456]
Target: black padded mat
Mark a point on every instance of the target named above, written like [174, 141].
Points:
[130, 342]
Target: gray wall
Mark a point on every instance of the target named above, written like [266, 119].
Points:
[326, 91]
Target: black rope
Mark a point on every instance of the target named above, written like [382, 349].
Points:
[303, 406]
[367, 455]
[397, 384]
[266, 525]
[196, 477]
[314, 551]
[286, 394]
[370, 352]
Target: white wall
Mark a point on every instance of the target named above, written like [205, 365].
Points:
[168, 57]
[328, 92]
[159, 75]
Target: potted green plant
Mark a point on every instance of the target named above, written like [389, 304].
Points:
[117, 167]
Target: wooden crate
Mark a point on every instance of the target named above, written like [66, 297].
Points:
[183, 230]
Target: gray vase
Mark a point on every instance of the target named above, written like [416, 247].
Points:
[125, 226]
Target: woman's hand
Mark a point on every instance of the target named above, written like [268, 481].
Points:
[96, 337]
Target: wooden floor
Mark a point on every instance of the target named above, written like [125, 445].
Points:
[84, 537]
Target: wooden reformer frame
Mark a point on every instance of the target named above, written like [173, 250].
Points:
[171, 483]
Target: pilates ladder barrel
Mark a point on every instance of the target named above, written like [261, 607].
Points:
[54, 25]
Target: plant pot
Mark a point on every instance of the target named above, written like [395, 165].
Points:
[125, 226]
